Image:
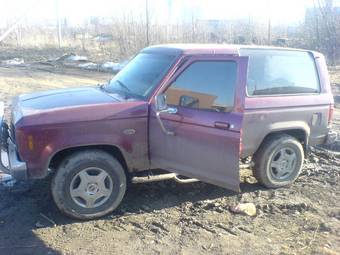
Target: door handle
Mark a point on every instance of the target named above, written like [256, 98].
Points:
[222, 125]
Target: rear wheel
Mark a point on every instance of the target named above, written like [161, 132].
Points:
[279, 160]
[89, 184]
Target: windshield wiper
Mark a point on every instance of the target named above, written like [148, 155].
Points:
[101, 86]
[123, 85]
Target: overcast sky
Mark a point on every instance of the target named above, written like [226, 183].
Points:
[281, 11]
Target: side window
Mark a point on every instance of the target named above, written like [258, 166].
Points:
[208, 85]
[275, 72]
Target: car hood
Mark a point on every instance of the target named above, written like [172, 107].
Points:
[64, 98]
[68, 104]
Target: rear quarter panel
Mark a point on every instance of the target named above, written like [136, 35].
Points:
[307, 112]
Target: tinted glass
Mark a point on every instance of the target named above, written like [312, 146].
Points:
[273, 72]
[142, 74]
[206, 85]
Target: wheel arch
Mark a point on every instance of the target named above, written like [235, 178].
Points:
[300, 133]
[113, 150]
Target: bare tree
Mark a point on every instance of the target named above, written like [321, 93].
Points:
[147, 22]
[330, 22]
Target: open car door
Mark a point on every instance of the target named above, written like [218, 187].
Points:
[197, 131]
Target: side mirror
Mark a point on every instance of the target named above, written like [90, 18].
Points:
[162, 107]
[161, 104]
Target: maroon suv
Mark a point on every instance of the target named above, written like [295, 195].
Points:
[186, 112]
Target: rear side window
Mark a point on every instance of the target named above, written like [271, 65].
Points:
[206, 85]
[279, 72]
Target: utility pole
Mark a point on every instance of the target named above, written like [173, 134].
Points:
[147, 22]
[269, 31]
[58, 23]
[269, 23]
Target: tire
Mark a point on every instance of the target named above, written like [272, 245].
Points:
[275, 165]
[88, 184]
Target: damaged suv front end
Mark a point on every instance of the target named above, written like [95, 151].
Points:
[10, 162]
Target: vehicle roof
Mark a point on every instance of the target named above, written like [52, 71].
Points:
[192, 49]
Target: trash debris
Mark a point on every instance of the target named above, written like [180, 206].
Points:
[82, 62]
[70, 58]
[13, 62]
[246, 209]
[89, 66]
[113, 66]
[76, 58]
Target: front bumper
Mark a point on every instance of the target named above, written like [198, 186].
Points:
[9, 159]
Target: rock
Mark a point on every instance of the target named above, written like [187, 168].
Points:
[324, 227]
[258, 193]
[315, 159]
[154, 229]
[219, 209]
[251, 180]
[209, 204]
[160, 225]
[246, 209]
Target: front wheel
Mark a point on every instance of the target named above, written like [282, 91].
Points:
[278, 161]
[88, 184]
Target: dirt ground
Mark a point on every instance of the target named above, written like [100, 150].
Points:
[169, 218]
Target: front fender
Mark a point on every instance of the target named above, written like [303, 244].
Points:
[50, 140]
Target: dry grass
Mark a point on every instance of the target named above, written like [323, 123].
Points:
[14, 81]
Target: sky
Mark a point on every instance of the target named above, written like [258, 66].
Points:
[281, 11]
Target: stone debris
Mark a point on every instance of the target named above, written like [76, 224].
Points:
[246, 209]
[250, 180]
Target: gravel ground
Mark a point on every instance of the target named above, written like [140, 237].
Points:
[169, 218]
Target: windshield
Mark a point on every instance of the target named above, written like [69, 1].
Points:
[141, 75]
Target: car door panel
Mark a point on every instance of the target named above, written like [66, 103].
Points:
[200, 148]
